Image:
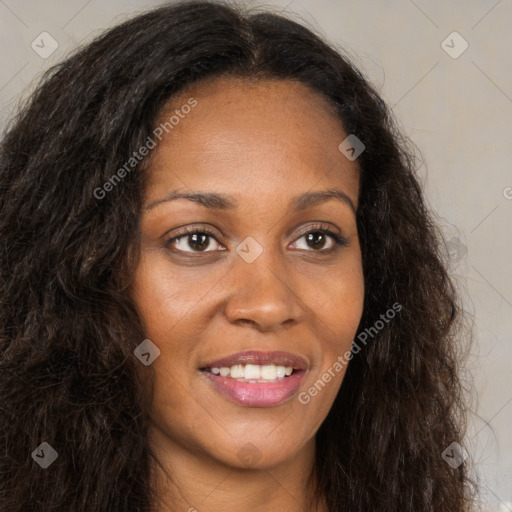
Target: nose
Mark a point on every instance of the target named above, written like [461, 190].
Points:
[262, 294]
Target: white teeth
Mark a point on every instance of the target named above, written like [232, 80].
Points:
[268, 372]
[254, 371]
[237, 371]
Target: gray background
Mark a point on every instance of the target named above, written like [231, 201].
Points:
[458, 111]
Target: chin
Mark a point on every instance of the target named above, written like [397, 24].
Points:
[259, 452]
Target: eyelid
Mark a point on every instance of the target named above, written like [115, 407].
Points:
[319, 226]
[196, 228]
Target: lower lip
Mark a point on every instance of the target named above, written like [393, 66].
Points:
[257, 394]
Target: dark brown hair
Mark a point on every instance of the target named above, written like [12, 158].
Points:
[68, 329]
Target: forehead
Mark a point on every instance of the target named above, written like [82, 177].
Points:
[254, 136]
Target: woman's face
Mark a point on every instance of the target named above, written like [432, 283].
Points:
[259, 290]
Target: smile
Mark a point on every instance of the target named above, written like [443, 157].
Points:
[257, 379]
[253, 372]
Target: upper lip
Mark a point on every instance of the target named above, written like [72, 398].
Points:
[277, 358]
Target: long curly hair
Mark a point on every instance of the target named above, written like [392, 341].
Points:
[68, 328]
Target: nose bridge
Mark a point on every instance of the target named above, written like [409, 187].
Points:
[261, 290]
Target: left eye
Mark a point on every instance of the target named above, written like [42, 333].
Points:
[318, 238]
[198, 240]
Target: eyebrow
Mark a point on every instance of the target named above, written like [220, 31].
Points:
[215, 201]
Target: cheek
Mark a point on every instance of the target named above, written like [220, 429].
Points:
[336, 297]
[337, 303]
[347, 305]
[163, 297]
[165, 304]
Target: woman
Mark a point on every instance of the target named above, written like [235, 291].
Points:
[222, 287]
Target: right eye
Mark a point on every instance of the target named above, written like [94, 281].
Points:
[193, 240]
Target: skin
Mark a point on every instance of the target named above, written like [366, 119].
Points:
[262, 143]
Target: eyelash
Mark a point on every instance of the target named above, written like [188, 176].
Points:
[339, 240]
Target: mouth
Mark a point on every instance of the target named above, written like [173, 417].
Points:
[257, 379]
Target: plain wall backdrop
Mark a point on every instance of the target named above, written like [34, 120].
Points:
[445, 68]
